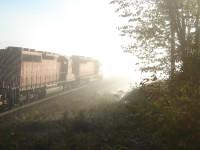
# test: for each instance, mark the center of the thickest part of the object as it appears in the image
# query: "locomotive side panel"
(98, 70)
(50, 69)
(85, 68)
(58, 71)
(31, 69)
(10, 63)
(38, 69)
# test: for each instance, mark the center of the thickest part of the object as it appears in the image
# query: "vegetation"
(164, 35)
(156, 115)
(144, 118)
(170, 124)
(90, 122)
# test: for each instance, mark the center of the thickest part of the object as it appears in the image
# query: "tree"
(149, 31)
(165, 36)
(164, 32)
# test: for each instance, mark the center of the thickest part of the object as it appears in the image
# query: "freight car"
(26, 74)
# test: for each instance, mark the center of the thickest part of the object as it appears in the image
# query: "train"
(27, 74)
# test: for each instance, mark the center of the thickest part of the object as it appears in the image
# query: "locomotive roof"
(65, 58)
(82, 58)
(28, 50)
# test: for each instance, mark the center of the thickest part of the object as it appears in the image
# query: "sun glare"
(86, 31)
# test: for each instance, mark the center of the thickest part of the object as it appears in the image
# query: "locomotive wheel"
(36, 96)
(28, 97)
(42, 94)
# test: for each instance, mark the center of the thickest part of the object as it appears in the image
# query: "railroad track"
(53, 95)
(40, 101)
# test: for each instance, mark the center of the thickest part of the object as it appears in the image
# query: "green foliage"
(148, 28)
(94, 122)
(169, 124)
(146, 118)
(163, 34)
(97, 127)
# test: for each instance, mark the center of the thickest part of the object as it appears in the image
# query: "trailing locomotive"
(26, 73)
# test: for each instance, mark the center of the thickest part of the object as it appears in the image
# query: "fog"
(74, 27)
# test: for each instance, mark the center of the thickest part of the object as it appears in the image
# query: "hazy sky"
(84, 27)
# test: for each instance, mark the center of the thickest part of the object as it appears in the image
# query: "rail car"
(26, 74)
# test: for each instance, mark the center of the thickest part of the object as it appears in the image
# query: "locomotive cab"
(66, 76)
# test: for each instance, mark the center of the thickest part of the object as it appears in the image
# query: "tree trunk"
(172, 59)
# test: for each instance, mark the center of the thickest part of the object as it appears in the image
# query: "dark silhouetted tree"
(163, 32)
(165, 36)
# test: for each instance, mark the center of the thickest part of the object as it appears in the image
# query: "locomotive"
(27, 73)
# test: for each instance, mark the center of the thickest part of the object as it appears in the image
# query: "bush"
(166, 123)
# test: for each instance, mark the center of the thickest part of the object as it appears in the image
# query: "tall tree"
(163, 32)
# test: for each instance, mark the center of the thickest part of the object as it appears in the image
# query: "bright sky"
(81, 27)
